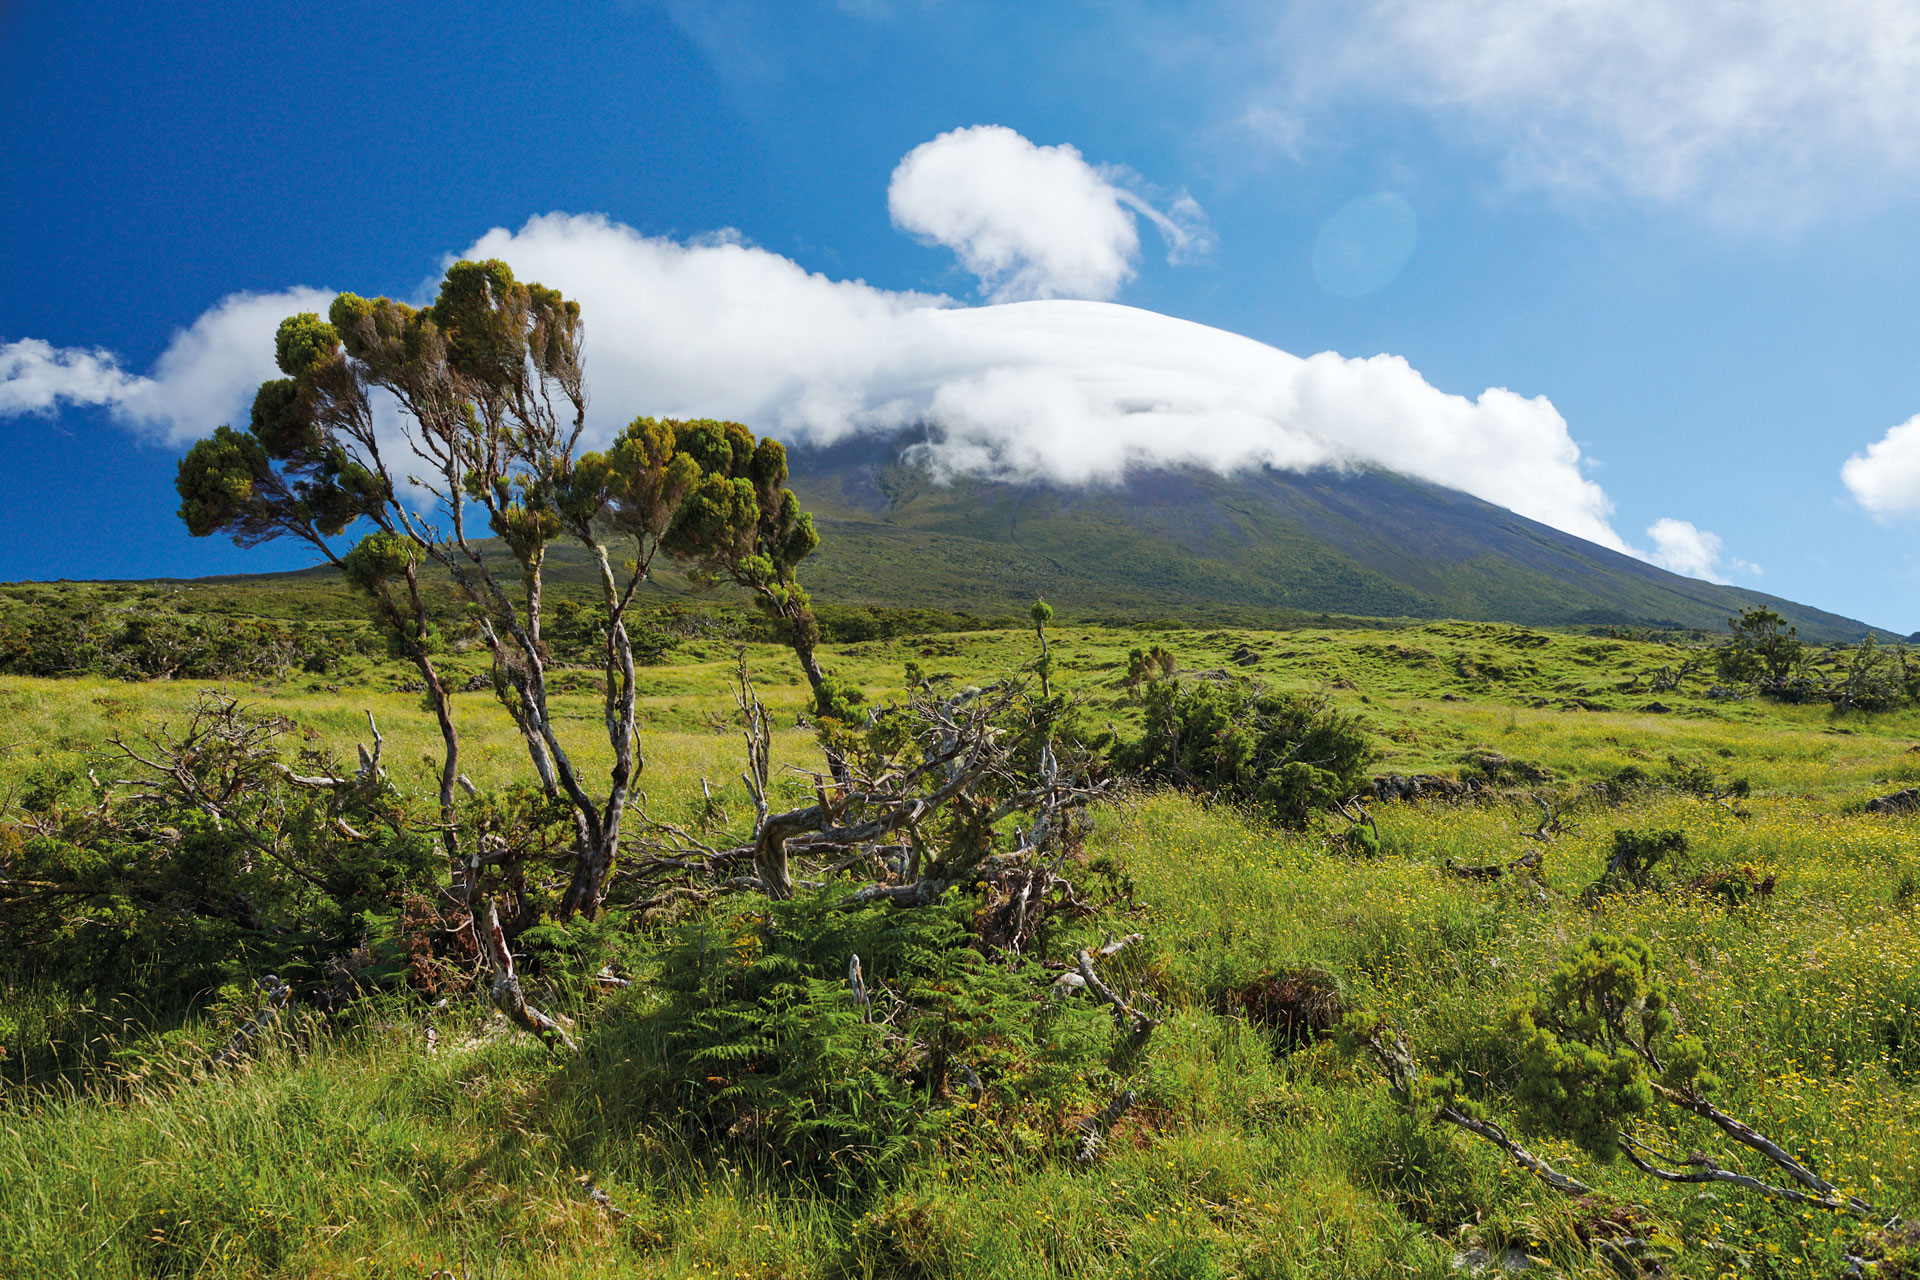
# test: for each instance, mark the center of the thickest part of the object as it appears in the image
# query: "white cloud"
(1033, 221)
(1070, 391)
(1886, 478)
(1727, 102)
(206, 376)
(1690, 552)
(37, 377)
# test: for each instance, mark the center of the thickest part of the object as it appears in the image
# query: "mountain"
(1191, 544)
(1257, 548)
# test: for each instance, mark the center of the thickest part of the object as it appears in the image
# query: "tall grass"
(353, 1151)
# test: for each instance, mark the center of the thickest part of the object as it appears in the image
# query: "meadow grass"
(351, 1151)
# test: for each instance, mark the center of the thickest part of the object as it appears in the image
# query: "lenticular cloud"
(1071, 392)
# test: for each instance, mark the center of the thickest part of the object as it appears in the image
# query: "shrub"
(1736, 886)
(1149, 664)
(1763, 646)
(1876, 680)
(1641, 859)
(1497, 770)
(164, 904)
(223, 867)
(1284, 755)
(1578, 1078)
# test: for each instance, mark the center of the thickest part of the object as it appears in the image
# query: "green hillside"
(1193, 544)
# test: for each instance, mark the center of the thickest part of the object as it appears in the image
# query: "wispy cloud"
(1752, 108)
(37, 377)
(206, 376)
(1693, 552)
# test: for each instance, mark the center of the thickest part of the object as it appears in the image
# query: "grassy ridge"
(356, 1153)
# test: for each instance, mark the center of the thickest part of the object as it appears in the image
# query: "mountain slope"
(1191, 543)
(1258, 547)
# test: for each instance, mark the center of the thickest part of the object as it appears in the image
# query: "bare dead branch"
(965, 764)
(1388, 1049)
(1124, 1013)
(1094, 1127)
(278, 995)
(1550, 824)
(506, 992)
(1825, 1193)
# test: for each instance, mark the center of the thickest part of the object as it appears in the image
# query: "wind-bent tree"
(492, 404)
(1763, 647)
(741, 524)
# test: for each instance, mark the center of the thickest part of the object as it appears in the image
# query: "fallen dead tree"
(1527, 864)
(1127, 1014)
(1601, 1032)
(949, 790)
(1093, 1129)
(1439, 1099)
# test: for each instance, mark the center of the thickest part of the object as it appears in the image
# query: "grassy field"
(352, 1151)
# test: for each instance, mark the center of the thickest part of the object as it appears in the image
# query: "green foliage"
(739, 523)
(836, 699)
(217, 480)
(73, 633)
(364, 1153)
(1763, 647)
(218, 868)
(1575, 1077)
(159, 903)
(1585, 1050)
(1641, 859)
(376, 560)
(1697, 778)
(1497, 770)
(1284, 755)
(763, 1048)
(303, 343)
(1875, 679)
(852, 624)
(1144, 665)
(1042, 613)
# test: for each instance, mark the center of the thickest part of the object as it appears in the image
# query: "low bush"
(831, 1044)
(1282, 755)
(1641, 859)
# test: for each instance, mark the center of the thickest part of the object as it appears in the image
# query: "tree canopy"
(492, 402)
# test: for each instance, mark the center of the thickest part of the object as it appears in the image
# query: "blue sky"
(1682, 237)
